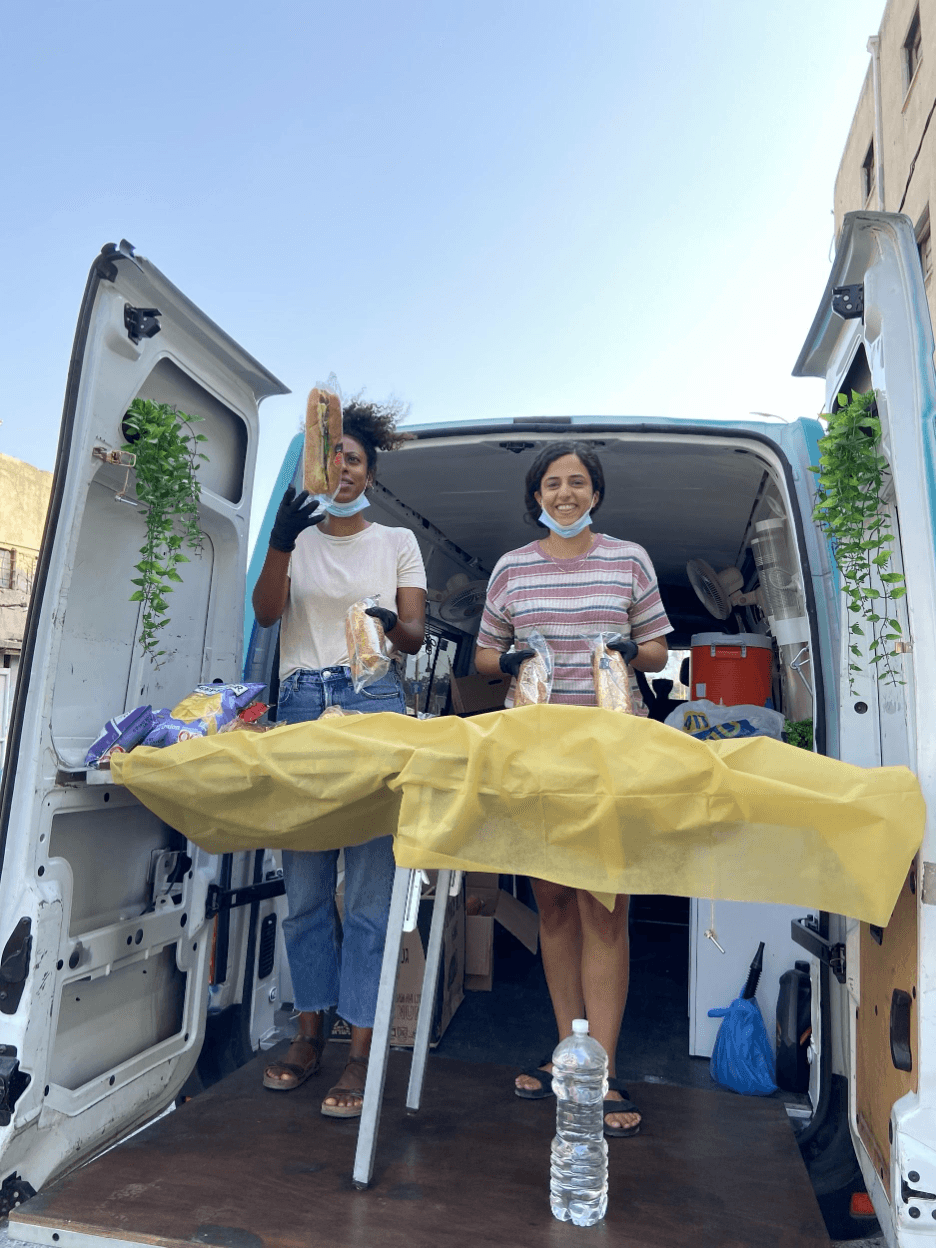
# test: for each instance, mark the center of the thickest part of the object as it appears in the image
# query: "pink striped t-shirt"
(612, 588)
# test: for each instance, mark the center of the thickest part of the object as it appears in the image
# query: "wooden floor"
(243, 1167)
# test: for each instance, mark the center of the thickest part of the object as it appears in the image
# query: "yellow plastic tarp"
(581, 796)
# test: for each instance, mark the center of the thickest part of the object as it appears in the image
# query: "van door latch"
(141, 322)
(848, 301)
(806, 933)
(167, 873)
(13, 1082)
(14, 966)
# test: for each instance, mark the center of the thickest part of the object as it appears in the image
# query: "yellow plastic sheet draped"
(578, 795)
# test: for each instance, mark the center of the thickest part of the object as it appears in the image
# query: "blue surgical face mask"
(565, 530)
(343, 509)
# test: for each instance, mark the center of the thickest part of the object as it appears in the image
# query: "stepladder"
(404, 911)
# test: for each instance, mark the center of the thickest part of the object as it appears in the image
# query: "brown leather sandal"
(303, 1060)
(347, 1111)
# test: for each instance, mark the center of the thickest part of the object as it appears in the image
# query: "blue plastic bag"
(742, 1060)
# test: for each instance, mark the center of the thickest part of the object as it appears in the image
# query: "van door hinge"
(848, 301)
(928, 891)
(14, 966)
(806, 933)
(220, 899)
(15, 1191)
(13, 1082)
(141, 322)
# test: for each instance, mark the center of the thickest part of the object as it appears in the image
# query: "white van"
(133, 962)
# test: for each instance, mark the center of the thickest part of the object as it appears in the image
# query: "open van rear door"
(106, 931)
(873, 331)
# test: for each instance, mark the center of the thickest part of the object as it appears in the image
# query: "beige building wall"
(24, 500)
(907, 129)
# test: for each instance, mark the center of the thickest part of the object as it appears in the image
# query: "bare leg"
(352, 1075)
(605, 974)
(561, 943)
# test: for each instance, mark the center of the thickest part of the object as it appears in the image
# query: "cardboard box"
(518, 919)
(473, 694)
(450, 990)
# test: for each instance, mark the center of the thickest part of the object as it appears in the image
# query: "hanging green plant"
(166, 449)
(799, 732)
(850, 479)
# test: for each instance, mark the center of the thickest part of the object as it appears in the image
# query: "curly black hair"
(548, 455)
(374, 425)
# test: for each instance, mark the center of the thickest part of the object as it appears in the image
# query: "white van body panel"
(112, 1010)
(879, 250)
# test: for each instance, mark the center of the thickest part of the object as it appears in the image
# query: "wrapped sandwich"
(534, 681)
(321, 469)
(367, 654)
(612, 678)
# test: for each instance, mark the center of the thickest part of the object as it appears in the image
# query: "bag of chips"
(367, 656)
(120, 734)
(206, 710)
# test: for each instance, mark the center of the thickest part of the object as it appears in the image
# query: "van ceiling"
(677, 499)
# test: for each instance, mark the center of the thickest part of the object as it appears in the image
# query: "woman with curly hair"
(322, 559)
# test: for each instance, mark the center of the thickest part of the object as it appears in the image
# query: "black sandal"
(626, 1106)
(296, 1072)
(537, 1073)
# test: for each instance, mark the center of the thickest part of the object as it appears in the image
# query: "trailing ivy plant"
(850, 479)
(167, 458)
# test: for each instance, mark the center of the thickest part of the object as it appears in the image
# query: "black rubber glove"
(388, 619)
(294, 515)
(510, 662)
(626, 649)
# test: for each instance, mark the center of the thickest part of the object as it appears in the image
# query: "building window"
(7, 568)
(867, 173)
(912, 49)
(924, 243)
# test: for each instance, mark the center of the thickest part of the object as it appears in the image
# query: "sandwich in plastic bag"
(612, 679)
(367, 655)
(534, 681)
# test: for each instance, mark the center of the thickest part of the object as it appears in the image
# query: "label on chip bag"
(201, 713)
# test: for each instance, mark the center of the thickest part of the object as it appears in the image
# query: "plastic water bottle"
(578, 1182)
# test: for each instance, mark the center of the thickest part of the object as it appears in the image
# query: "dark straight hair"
(540, 466)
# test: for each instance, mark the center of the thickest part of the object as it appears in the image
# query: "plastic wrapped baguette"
(367, 656)
(321, 469)
(534, 682)
(612, 679)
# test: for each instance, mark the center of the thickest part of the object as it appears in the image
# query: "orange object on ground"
(731, 668)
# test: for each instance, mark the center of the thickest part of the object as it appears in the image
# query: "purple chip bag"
(121, 734)
(204, 712)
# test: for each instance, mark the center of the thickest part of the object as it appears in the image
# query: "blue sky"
(487, 209)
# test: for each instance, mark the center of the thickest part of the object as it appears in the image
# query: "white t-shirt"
(328, 574)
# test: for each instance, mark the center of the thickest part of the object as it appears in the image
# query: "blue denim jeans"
(335, 964)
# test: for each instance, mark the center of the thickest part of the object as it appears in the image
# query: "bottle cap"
(580, 1026)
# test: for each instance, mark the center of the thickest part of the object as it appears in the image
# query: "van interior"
(713, 513)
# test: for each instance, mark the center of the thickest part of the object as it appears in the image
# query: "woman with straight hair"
(570, 582)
